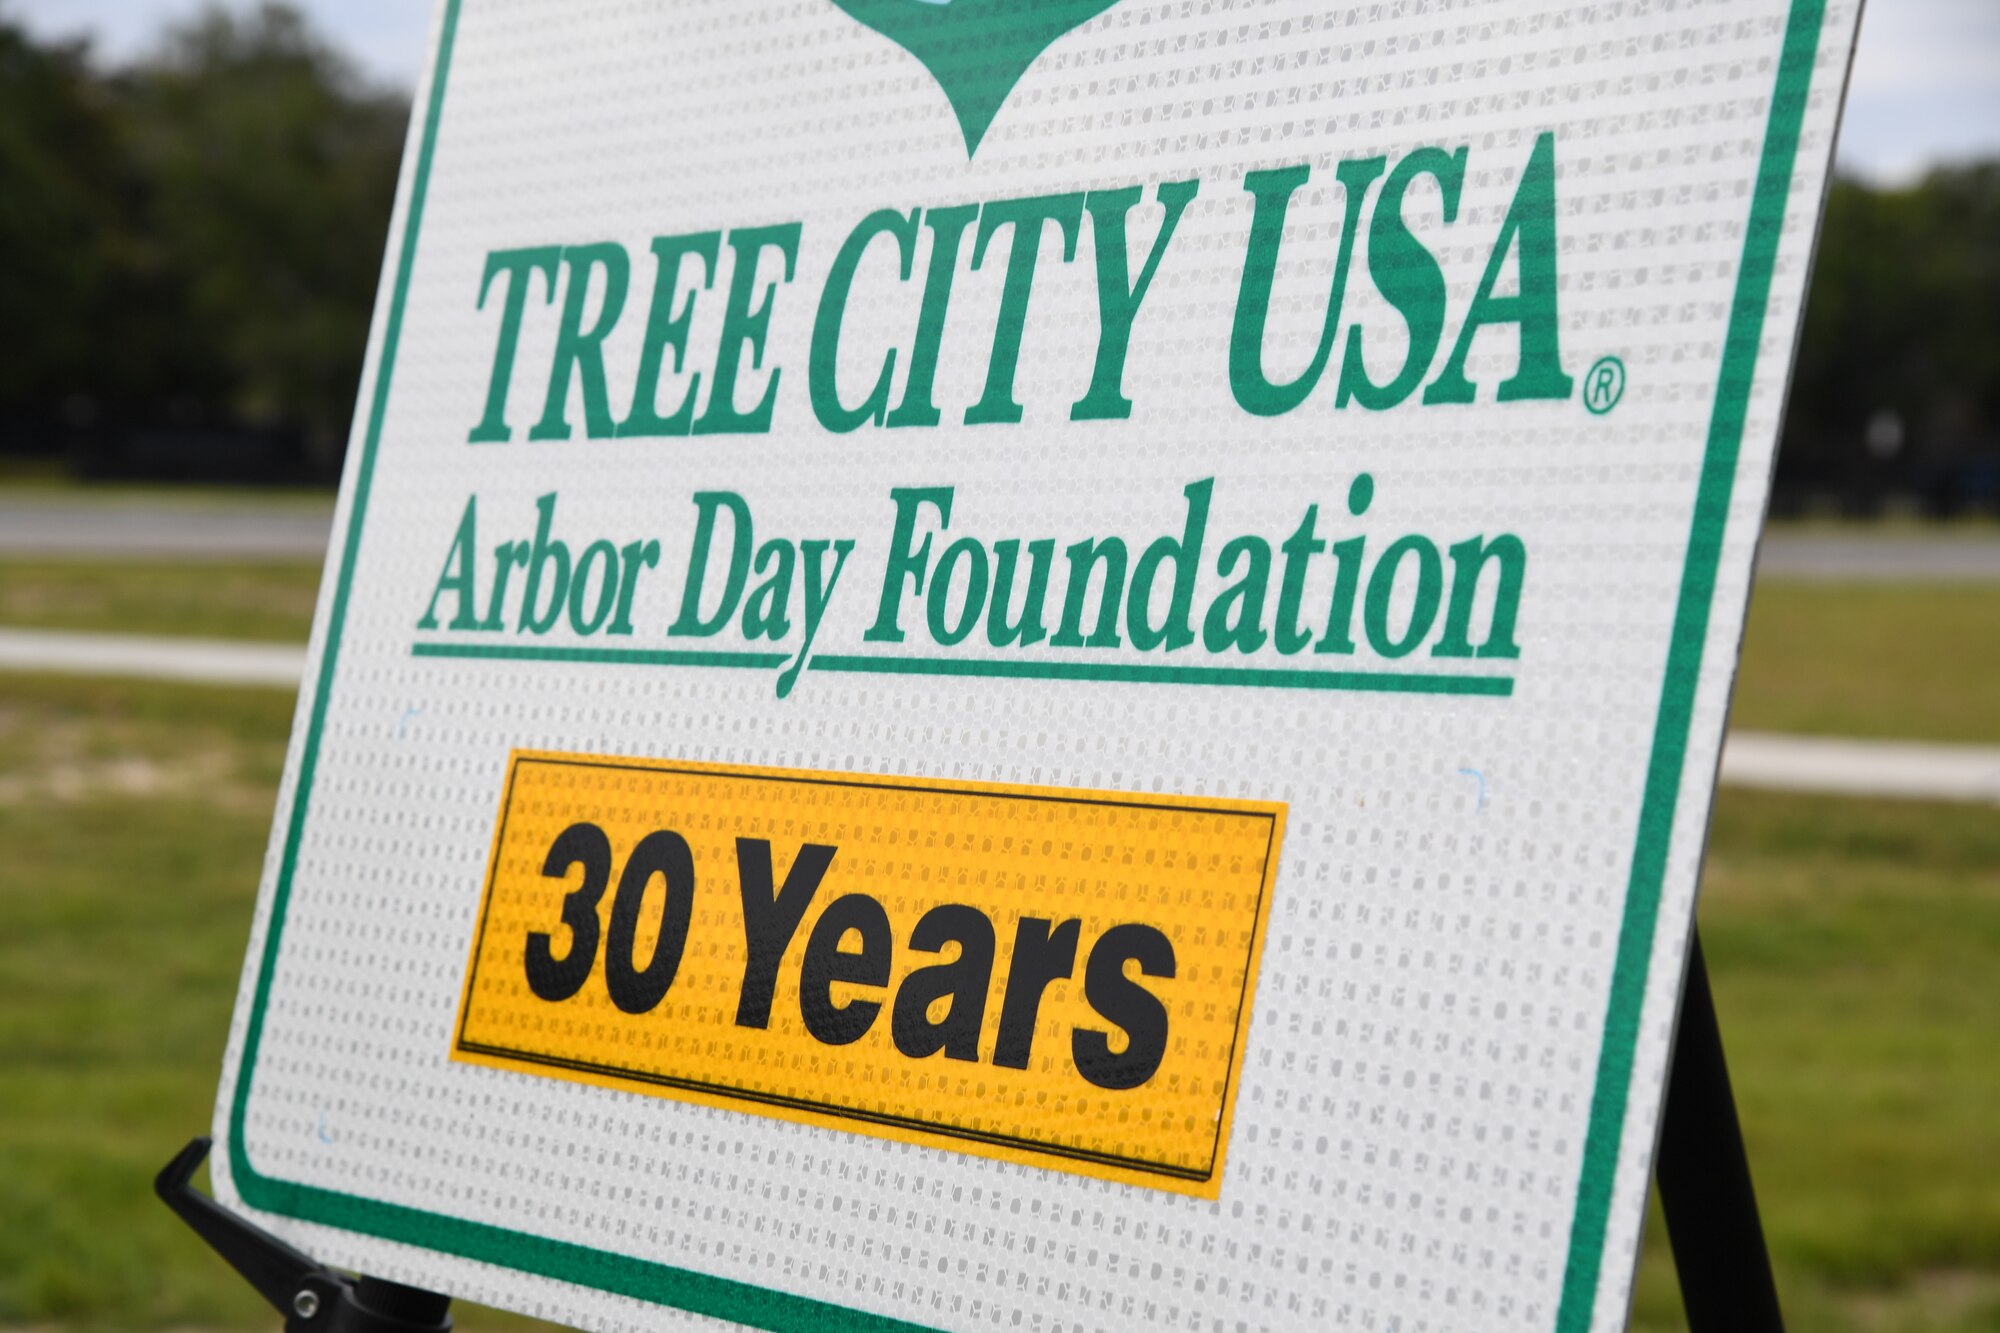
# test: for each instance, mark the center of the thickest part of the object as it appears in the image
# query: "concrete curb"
(202, 661)
(1909, 770)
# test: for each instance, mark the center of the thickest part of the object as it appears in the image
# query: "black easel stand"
(1704, 1176)
(312, 1299)
(1705, 1191)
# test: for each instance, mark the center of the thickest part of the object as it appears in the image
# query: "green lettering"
(1178, 630)
(947, 227)
(746, 321)
(822, 368)
(1084, 557)
(578, 353)
(819, 594)
(597, 553)
(460, 574)
(707, 505)
(1118, 298)
(1244, 630)
(505, 556)
(1382, 588)
(1530, 228)
(1026, 217)
(1299, 549)
(666, 329)
(1338, 636)
(906, 565)
(973, 555)
(764, 613)
(1468, 561)
(542, 555)
(1029, 628)
(635, 557)
(1273, 190)
(1408, 277)
(519, 266)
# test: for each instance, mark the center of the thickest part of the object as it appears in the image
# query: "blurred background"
(193, 206)
(207, 192)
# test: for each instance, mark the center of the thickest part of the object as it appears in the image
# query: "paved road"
(1839, 557)
(234, 529)
(1751, 759)
(223, 530)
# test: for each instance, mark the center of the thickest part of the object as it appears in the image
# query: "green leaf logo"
(977, 50)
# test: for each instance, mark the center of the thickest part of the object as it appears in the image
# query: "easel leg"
(1704, 1175)
(310, 1297)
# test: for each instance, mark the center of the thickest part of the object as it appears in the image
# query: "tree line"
(189, 249)
(1896, 394)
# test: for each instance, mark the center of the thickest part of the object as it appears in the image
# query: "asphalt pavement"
(1838, 557)
(66, 527)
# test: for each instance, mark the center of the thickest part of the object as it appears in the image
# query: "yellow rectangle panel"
(1054, 977)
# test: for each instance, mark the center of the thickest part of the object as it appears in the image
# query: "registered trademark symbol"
(1604, 385)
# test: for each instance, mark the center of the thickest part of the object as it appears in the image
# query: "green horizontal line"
(1270, 678)
(508, 652)
(1280, 678)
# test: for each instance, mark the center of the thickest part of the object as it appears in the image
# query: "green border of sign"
(764, 1308)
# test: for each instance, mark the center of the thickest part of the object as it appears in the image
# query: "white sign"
(1031, 666)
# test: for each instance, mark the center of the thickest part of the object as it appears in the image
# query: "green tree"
(1904, 319)
(268, 172)
(58, 166)
(193, 240)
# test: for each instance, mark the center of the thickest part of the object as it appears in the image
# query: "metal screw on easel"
(297, 1285)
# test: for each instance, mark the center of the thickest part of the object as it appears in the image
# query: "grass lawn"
(1852, 946)
(133, 819)
(271, 600)
(1913, 662)
(127, 904)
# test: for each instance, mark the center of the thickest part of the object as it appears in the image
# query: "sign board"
(1031, 666)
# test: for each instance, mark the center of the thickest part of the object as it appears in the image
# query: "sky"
(1926, 80)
